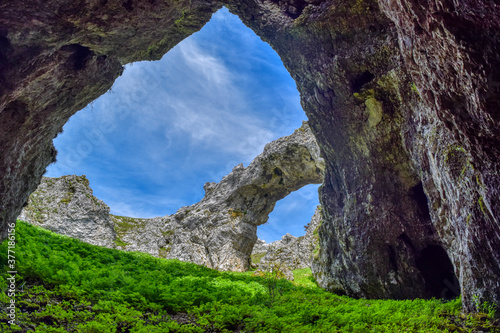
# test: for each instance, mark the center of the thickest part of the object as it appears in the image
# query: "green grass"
(304, 277)
(119, 242)
(71, 286)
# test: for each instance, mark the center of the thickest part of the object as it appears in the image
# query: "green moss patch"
(257, 257)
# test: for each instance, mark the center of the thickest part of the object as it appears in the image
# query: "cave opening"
(78, 56)
(167, 127)
(438, 272)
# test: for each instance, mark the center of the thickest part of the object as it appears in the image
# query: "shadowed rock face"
(218, 232)
(401, 95)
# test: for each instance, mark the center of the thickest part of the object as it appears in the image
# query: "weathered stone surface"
(402, 96)
(451, 51)
(144, 235)
(356, 92)
(294, 252)
(67, 206)
(219, 231)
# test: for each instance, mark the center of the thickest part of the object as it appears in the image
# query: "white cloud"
(211, 69)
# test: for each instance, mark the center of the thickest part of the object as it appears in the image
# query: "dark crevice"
(128, 5)
(392, 257)
(79, 55)
(361, 80)
(4, 47)
(278, 172)
(15, 113)
(404, 237)
(347, 244)
(437, 270)
(418, 195)
(5, 57)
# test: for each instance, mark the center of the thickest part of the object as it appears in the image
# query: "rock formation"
(67, 206)
(403, 97)
(218, 232)
(292, 252)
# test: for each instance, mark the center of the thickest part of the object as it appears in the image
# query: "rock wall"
(358, 95)
(260, 248)
(402, 97)
(218, 232)
(451, 51)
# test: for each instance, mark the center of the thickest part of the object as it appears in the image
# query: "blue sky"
(167, 127)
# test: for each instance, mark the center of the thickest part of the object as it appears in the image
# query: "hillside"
(66, 285)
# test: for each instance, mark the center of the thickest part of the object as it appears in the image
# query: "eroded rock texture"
(67, 206)
(218, 232)
(402, 96)
(233, 208)
(451, 51)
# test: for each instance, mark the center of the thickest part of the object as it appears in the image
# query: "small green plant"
(257, 257)
(168, 233)
(272, 272)
(164, 251)
(486, 307)
(272, 279)
(489, 308)
(119, 242)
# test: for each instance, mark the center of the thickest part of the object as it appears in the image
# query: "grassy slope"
(71, 286)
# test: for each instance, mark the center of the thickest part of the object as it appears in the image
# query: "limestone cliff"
(219, 231)
(260, 248)
(66, 205)
(402, 97)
